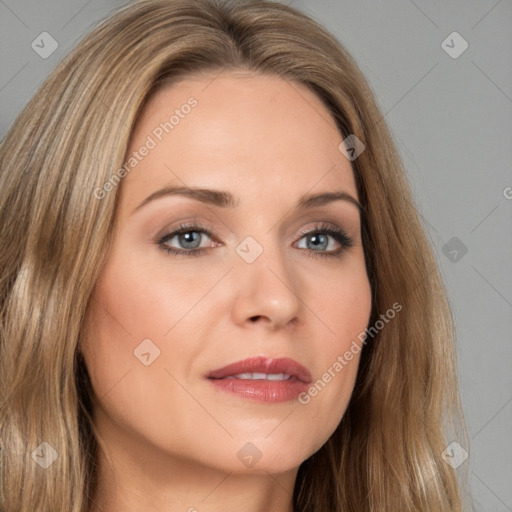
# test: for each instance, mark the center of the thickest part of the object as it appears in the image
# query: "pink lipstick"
(263, 379)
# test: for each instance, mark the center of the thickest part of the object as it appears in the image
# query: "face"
(251, 273)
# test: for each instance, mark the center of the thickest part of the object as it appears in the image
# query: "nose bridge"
(266, 285)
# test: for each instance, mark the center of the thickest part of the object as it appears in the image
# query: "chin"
(260, 455)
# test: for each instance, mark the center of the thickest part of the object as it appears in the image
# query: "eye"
(192, 240)
(322, 241)
(189, 238)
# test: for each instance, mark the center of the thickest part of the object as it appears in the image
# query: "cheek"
(136, 309)
(342, 300)
(345, 308)
(123, 312)
(133, 319)
(135, 300)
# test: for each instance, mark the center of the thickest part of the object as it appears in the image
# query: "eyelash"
(324, 229)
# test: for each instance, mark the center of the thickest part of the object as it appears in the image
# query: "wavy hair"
(386, 454)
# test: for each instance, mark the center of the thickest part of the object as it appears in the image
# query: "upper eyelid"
(186, 227)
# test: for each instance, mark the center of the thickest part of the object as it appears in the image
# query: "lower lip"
(269, 391)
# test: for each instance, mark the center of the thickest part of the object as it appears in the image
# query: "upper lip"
(261, 364)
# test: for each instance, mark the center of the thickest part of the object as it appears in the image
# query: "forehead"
(246, 132)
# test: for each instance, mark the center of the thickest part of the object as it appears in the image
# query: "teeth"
(277, 376)
(260, 376)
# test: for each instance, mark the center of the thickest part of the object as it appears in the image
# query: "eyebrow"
(224, 199)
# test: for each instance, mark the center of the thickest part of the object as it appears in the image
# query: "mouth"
(262, 379)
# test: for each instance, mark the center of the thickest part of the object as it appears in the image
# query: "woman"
(216, 293)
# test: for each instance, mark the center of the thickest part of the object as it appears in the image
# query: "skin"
(170, 438)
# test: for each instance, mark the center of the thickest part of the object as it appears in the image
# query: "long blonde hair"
(386, 454)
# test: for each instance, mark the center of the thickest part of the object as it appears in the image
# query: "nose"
(266, 292)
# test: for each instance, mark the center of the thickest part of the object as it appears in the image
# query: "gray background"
(451, 119)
